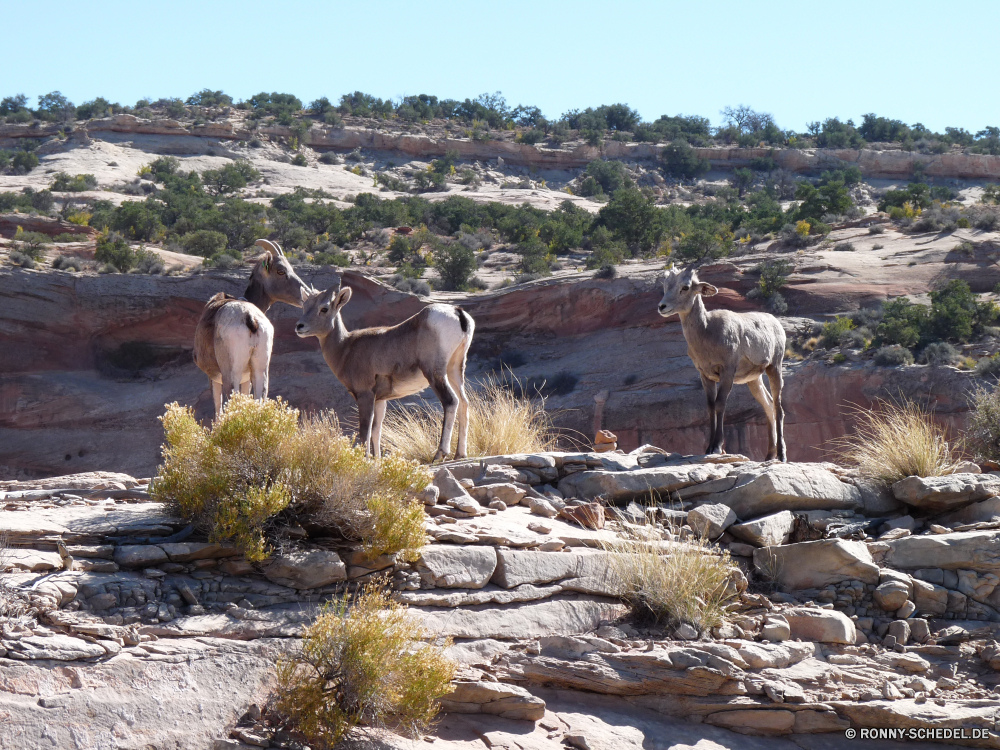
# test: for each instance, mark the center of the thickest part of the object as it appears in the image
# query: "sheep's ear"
(305, 294)
(707, 290)
(343, 297)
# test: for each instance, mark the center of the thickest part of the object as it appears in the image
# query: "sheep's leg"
(217, 397)
(260, 363)
(711, 393)
(764, 399)
(775, 379)
(725, 388)
(449, 401)
(456, 374)
(377, 428)
(245, 387)
(366, 416)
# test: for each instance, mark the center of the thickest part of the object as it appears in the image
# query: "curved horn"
(269, 245)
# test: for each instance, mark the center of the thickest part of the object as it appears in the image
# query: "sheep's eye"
(281, 272)
(685, 287)
(325, 310)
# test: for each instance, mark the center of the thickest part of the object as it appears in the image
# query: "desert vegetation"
(259, 469)
(363, 663)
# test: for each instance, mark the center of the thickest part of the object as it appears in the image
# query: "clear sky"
(918, 61)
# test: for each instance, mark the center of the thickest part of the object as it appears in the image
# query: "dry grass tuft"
(257, 469)
(984, 423)
(893, 441)
(363, 662)
(691, 583)
(500, 423)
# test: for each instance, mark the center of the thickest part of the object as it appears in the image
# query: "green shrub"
(30, 243)
(114, 250)
(531, 137)
(23, 162)
(741, 180)
(62, 182)
(610, 175)
(230, 178)
(67, 263)
(363, 662)
(411, 285)
(844, 247)
(606, 272)
(329, 158)
(680, 160)
(257, 469)
(940, 353)
(299, 160)
(225, 261)
(21, 259)
(703, 243)
(455, 264)
(876, 229)
(204, 242)
(835, 331)
(989, 367)
(893, 356)
(534, 257)
(902, 323)
(773, 276)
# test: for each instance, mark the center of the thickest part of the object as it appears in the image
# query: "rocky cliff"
(89, 360)
(874, 164)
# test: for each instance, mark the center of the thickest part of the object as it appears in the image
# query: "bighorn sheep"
(729, 347)
(232, 342)
(378, 365)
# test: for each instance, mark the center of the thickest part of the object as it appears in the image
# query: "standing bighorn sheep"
(233, 339)
(729, 347)
(378, 365)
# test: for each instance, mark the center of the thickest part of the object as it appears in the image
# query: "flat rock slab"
(626, 485)
(808, 565)
(456, 567)
(176, 702)
(939, 494)
(86, 524)
(519, 567)
(985, 511)
(966, 550)
(557, 616)
(58, 647)
(776, 487)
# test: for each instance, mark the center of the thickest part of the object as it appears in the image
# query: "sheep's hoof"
(439, 456)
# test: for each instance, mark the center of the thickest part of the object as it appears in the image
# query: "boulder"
(542, 507)
(820, 625)
(509, 494)
(517, 567)
(969, 550)
(808, 565)
(589, 516)
(32, 560)
(930, 598)
(306, 569)
(776, 629)
(891, 595)
(766, 531)
(900, 630)
(497, 698)
(448, 486)
(455, 567)
(939, 494)
(711, 520)
(774, 487)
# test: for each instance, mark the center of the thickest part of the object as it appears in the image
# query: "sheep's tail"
(251, 322)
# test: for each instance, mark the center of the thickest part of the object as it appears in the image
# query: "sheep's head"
(680, 289)
(320, 310)
(277, 276)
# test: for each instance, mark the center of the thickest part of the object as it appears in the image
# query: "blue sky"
(915, 61)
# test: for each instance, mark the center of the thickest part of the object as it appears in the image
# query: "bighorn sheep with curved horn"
(729, 347)
(233, 339)
(378, 365)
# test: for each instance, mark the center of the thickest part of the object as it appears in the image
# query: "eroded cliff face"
(88, 363)
(874, 164)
